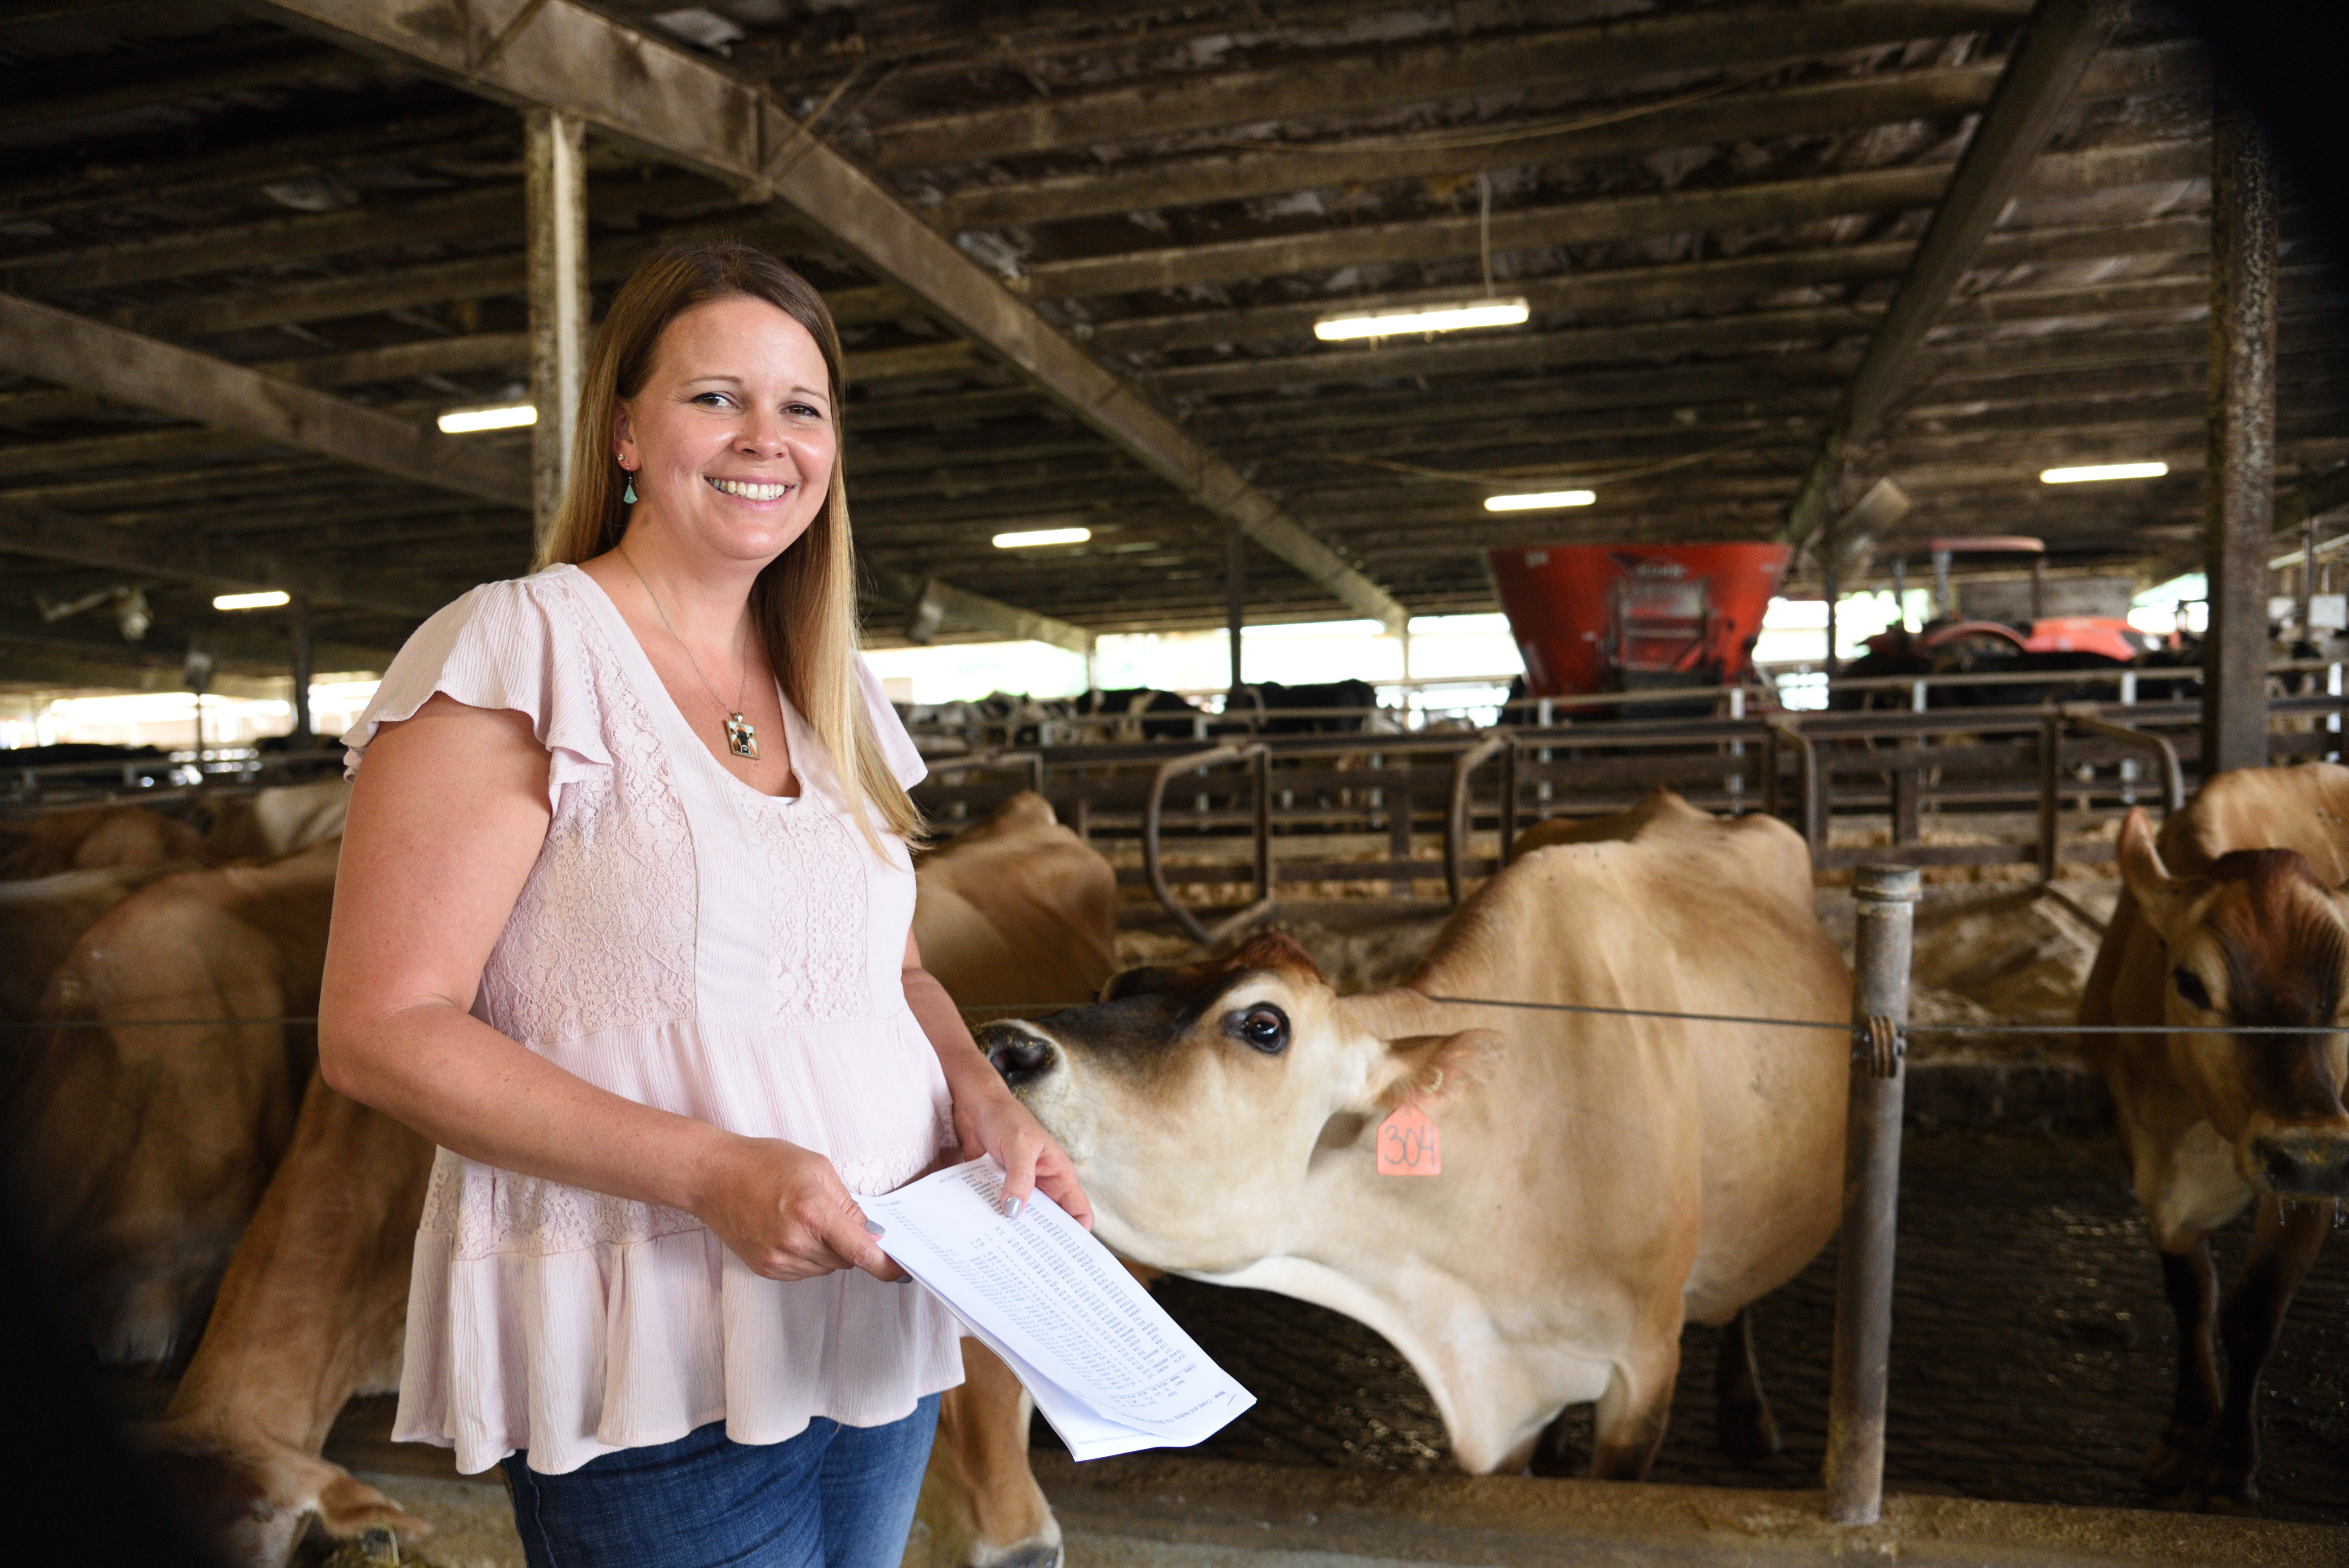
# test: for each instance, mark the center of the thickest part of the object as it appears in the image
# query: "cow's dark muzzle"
(1020, 1055)
(2303, 1164)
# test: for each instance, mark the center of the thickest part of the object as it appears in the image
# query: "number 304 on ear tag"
(1410, 1144)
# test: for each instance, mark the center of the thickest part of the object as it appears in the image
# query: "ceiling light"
(504, 417)
(1409, 319)
(1539, 502)
(2096, 472)
(267, 601)
(1036, 536)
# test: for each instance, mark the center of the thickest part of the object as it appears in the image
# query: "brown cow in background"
(2235, 916)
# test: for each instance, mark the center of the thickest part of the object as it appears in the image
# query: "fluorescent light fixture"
(1543, 500)
(268, 601)
(504, 417)
(2096, 472)
(1036, 536)
(1407, 319)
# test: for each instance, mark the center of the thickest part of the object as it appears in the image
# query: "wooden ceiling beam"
(249, 647)
(73, 351)
(77, 189)
(2044, 72)
(1590, 220)
(1806, 110)
(1358, 81)
(486, 212)
(1670, 283)
(120, 84)
(444, 282)
(218, 565)
(691, 112)
(1485, 353)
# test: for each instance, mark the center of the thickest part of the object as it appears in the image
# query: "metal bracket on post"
(1885, 899)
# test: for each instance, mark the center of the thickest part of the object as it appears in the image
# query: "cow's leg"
(312, 1309)
(2191, 1284)
(1629, 1425)
(1746, 1427)
(981, 1506)
(2284, 1245)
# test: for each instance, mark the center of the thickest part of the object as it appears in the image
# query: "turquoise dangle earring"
(629, 496)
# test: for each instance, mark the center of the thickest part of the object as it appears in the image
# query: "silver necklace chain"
(666, 626)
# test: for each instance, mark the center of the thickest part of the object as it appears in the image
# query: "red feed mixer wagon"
(1636, 618)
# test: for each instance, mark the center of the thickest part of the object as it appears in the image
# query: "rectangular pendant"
(742, 737)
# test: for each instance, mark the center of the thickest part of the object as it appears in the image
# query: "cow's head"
(1197, 1102)
(2256, 940)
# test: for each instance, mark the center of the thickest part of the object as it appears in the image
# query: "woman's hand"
(990, 1120)
(784, 1211)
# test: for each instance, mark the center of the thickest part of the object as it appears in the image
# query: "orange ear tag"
(1410, 1144)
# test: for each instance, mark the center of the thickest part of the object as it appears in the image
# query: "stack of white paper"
(1108, 1367)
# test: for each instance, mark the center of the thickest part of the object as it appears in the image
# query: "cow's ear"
(1429, 1070)
(2157, 894)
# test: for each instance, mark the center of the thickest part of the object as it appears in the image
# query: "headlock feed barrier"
(1885, 897)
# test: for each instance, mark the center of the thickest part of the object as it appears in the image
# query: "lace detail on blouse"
(485, 1211)
(816, 943)
(586, 951)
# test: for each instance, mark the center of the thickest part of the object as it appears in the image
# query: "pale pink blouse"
(694, 944)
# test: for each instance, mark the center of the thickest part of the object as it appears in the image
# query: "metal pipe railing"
(1154, 811)
(1457, 828)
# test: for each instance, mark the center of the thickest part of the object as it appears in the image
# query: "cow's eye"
(2189, 987)
(1264, 1026)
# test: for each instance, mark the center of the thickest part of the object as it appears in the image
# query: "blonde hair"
(804, 603)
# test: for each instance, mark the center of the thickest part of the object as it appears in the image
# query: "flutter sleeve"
(898, 748)
(502, 646)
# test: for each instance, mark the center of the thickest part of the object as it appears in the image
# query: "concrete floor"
(1157, 1511)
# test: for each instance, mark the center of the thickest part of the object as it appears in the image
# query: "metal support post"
(1885, 897)
(2238, 504)
(1235, 595)
(2051, 767)
(1908, 786)
(554, 197)
(1900, 592)
(304, 657)
(1829, 588)
(2038, 588)
(2307, 579)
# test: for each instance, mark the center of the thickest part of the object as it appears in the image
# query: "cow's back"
(1672, 910)
(1018, 909)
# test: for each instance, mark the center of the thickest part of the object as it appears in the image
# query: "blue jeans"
(833, 1497)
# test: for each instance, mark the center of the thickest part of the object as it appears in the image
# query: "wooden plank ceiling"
(1705, 204)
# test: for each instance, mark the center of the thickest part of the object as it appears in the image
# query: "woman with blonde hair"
(623, 924)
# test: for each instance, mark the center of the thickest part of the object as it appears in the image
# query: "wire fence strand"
(1751, 1020)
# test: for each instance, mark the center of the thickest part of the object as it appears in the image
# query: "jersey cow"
(2234, 915)
(1602, 1180)
(140, 1118)
(312, 1309)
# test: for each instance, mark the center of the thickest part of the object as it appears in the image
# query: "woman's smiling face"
(732, 436)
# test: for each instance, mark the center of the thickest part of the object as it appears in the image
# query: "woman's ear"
(624, 435)
(2156, 893)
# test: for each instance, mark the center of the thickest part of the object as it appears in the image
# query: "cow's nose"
(2312, 1164)
(1020, 1056)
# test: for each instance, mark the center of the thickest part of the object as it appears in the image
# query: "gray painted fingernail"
(1014, 1207)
